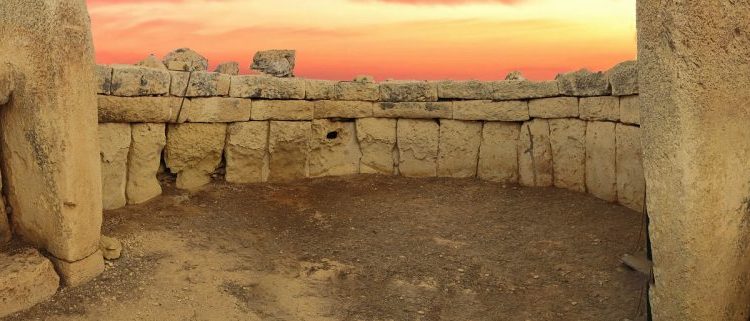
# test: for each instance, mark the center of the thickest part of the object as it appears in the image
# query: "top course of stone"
(184, 73)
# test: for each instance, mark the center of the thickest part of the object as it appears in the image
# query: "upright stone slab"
(334, 149)
(194, 152)
(53, 175)
(418, 142)
(377, 141)
(535, 154)
(246, 152)
(289, 149)
(568, 140)
(114, 139)
(631, 185)
(26, 279)
(498, 154)
(601, 177)
(144, 159)
(458, 151)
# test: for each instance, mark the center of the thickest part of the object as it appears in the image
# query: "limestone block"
(26, 278)
(289, 150)
(277, 63)
(600, 108)
(630, 110)
(144, 159)
(523, 89)
(128, 81)
(246, 152)
(138, 109)
(624, 78)
(377, 141)
(185, 59)
(568, 141)
(151, 62)
(631, 185)
(202, 84)
(512, 110)
(316, 89)
(334, 150)
(194, 151)
(103, 79)
(458, 151)
(231, 68)
(114, 141)
(80, 272)
(535, 154)
(215, 110)
(283, 110)
(556, 107)
(342, 109)
(398, 91)
(515, 75)
(498, 155)
(601, 175)
(584, 83)
(471, 89)
(418, 142)
(5, 231)
(414, 110)
(261, 86)
(356, 90)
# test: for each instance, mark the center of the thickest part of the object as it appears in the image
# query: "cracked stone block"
(246, 152)
(193, 152)
(334, 150)
(459, 148)
(568, 141)
(535, 154)
(601, 175)
(114, 141)
(418, 142)
(289, 149)
(144, 159)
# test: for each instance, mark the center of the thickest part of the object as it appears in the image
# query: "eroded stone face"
(185, 59)
(202, 84)
(246, 152)
(103, 79)
(535, 154)
(128, 81)
(458, 150)
(557, 107)
(356, 90)
(215, 110)
(277, 63)
(624, 78)
(231, 68)
(584, 83)
(334, 150)
(261, 86)
(114, 109)
(395, 91)
(515, 110)
(193, 152)
(316, 89)
(523, 89)
(601, 177)
(418, 142)
(144, 159)
(413, 110)
(568, 142)
(151, 62)
(600, 108)
(289, 149)
(471, 89)
(114, 139)
(498, 157)
(283, 110)
(26, 278)
(342, 109)
(377, 141)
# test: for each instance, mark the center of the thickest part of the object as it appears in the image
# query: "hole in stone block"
(332, 135)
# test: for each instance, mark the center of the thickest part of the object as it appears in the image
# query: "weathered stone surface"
(568, 142)
(246, 152)
(103, 79)
(498, 155)
(458, 150)
(523, 89)
(185, 59)
(114, 139)
(398, 91)
(334, 149)
(5, 231)
(630, 110)
(26, 278)
(82, 271)
(535, 166)
(557, 107)
(260, 86)
(377, 141)
(356, 90)
(138, 109)
(631, 185)
(601, 177)
(600, 108)
(194, 151)
(364, 78)
(202, 84)
(289, 150)
(215, 110)
(111, 248)
(414, 110)
(343, 109)
(151, 62)
(277, 63)
(231, 68)
(471, 89)
(584, 83)
(515, 75)
(282, 110)
(144, 159)
(128, 81)
(624, 78)
(316, 89)
(418, 142)
(513, 110)
(7, 82)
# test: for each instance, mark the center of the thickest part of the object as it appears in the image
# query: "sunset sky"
(400, 39)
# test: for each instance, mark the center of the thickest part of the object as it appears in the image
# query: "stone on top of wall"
(584, 83)
(624, 78)
(267, 87)
(316, 89)
(342, 109)
(357, 90)
(523, 89)
(515, 75)
(185, 59)
(399, 91)
(103, 79)
(231, 68)
(377, 141)
(151, 62)
(215, 110)
(470, 89)
(131, 81)
(202, 84)
(282, 110)
(413, 110)
(511, 110)
(600, 108)
(115, 109)
(193, 152)
(277, 63)
(556, 107)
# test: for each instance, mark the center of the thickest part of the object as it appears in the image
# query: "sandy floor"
(364, 248)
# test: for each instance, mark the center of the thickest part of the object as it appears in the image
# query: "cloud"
(446, 2)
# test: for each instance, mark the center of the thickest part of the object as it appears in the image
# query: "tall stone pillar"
(694, 60)
(50, 160)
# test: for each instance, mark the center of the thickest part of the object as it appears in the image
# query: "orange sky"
(401, 39)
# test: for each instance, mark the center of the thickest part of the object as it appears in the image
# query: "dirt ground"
(364, 248)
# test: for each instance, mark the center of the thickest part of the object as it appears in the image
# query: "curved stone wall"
(580, 131)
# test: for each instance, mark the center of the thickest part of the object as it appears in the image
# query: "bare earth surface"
(363, 248)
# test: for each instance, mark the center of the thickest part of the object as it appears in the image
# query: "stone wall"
(579, 132)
